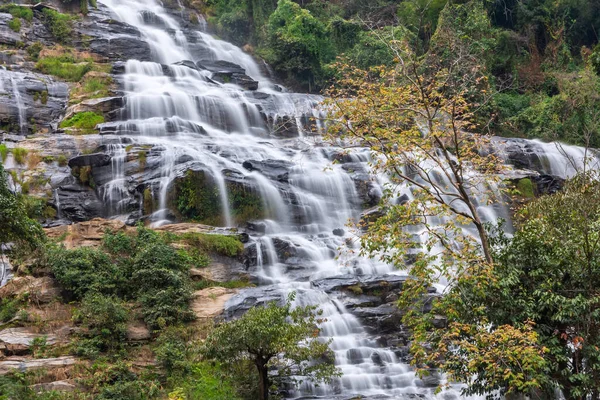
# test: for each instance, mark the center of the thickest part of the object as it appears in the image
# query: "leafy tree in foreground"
(281, 337)
(539, 299)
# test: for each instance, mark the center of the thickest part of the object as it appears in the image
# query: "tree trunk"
(263, 378)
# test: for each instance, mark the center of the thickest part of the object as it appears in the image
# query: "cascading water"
(183, 119)
(22, 111)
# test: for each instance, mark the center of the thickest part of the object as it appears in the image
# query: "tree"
(279, 337)
(15, 225)
(541, 296)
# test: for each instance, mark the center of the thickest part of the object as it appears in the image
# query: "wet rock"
(376, 358)
(278, 170)
(239, 304)
(227, 72)
(31, 99)
(383, 319)
(257, 226)
(187, 63)
(339, 232)
(90, 160)
(105, 105)
(151, 18)
(365, 283)
(547, 184)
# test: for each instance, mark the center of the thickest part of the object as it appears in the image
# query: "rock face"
(210, 303)
(15, 341)
(47, 364)
(30, 100)
(227, 72)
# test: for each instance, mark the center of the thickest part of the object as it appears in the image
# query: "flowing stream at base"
(188, 121)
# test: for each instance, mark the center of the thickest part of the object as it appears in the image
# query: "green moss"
(525, 188)
(65, 67)
(85, 121)
(225, 245)
(15, 24)
(148, 201)
(44, 97)
(245, 203)
(142, 158)
(196, 198)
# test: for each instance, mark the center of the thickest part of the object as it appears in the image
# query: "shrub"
(105, 321)
(60, 25)
(166, 307)
(207, 381)
(25, 13)
(116, 381)
(8, 309)
(34, 50)
(84, 270)
(15, 24)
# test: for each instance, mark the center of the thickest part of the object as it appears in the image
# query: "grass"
(93, 87)
(33, 160)
(85, 121)
(3, 152)
(19, 154)
(229, 246)
(65, 67)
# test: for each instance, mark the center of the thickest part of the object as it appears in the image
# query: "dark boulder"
(90, 160)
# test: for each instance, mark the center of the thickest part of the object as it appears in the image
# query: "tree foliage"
(15, 225)
(280, 337)
(528, 323)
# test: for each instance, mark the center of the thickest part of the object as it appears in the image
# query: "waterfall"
(22, 111)
(188, 120)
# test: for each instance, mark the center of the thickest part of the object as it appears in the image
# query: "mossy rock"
(526, 188)
(196, 197)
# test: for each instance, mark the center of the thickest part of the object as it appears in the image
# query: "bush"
(25, 13)
(84, 270)
(34, 50)
(297, 42)
(60, 25)
(207, 381)
(85, 121)
(8, 309)
(118, 382)
(104, 320)
(167, 307)
(15, 24)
